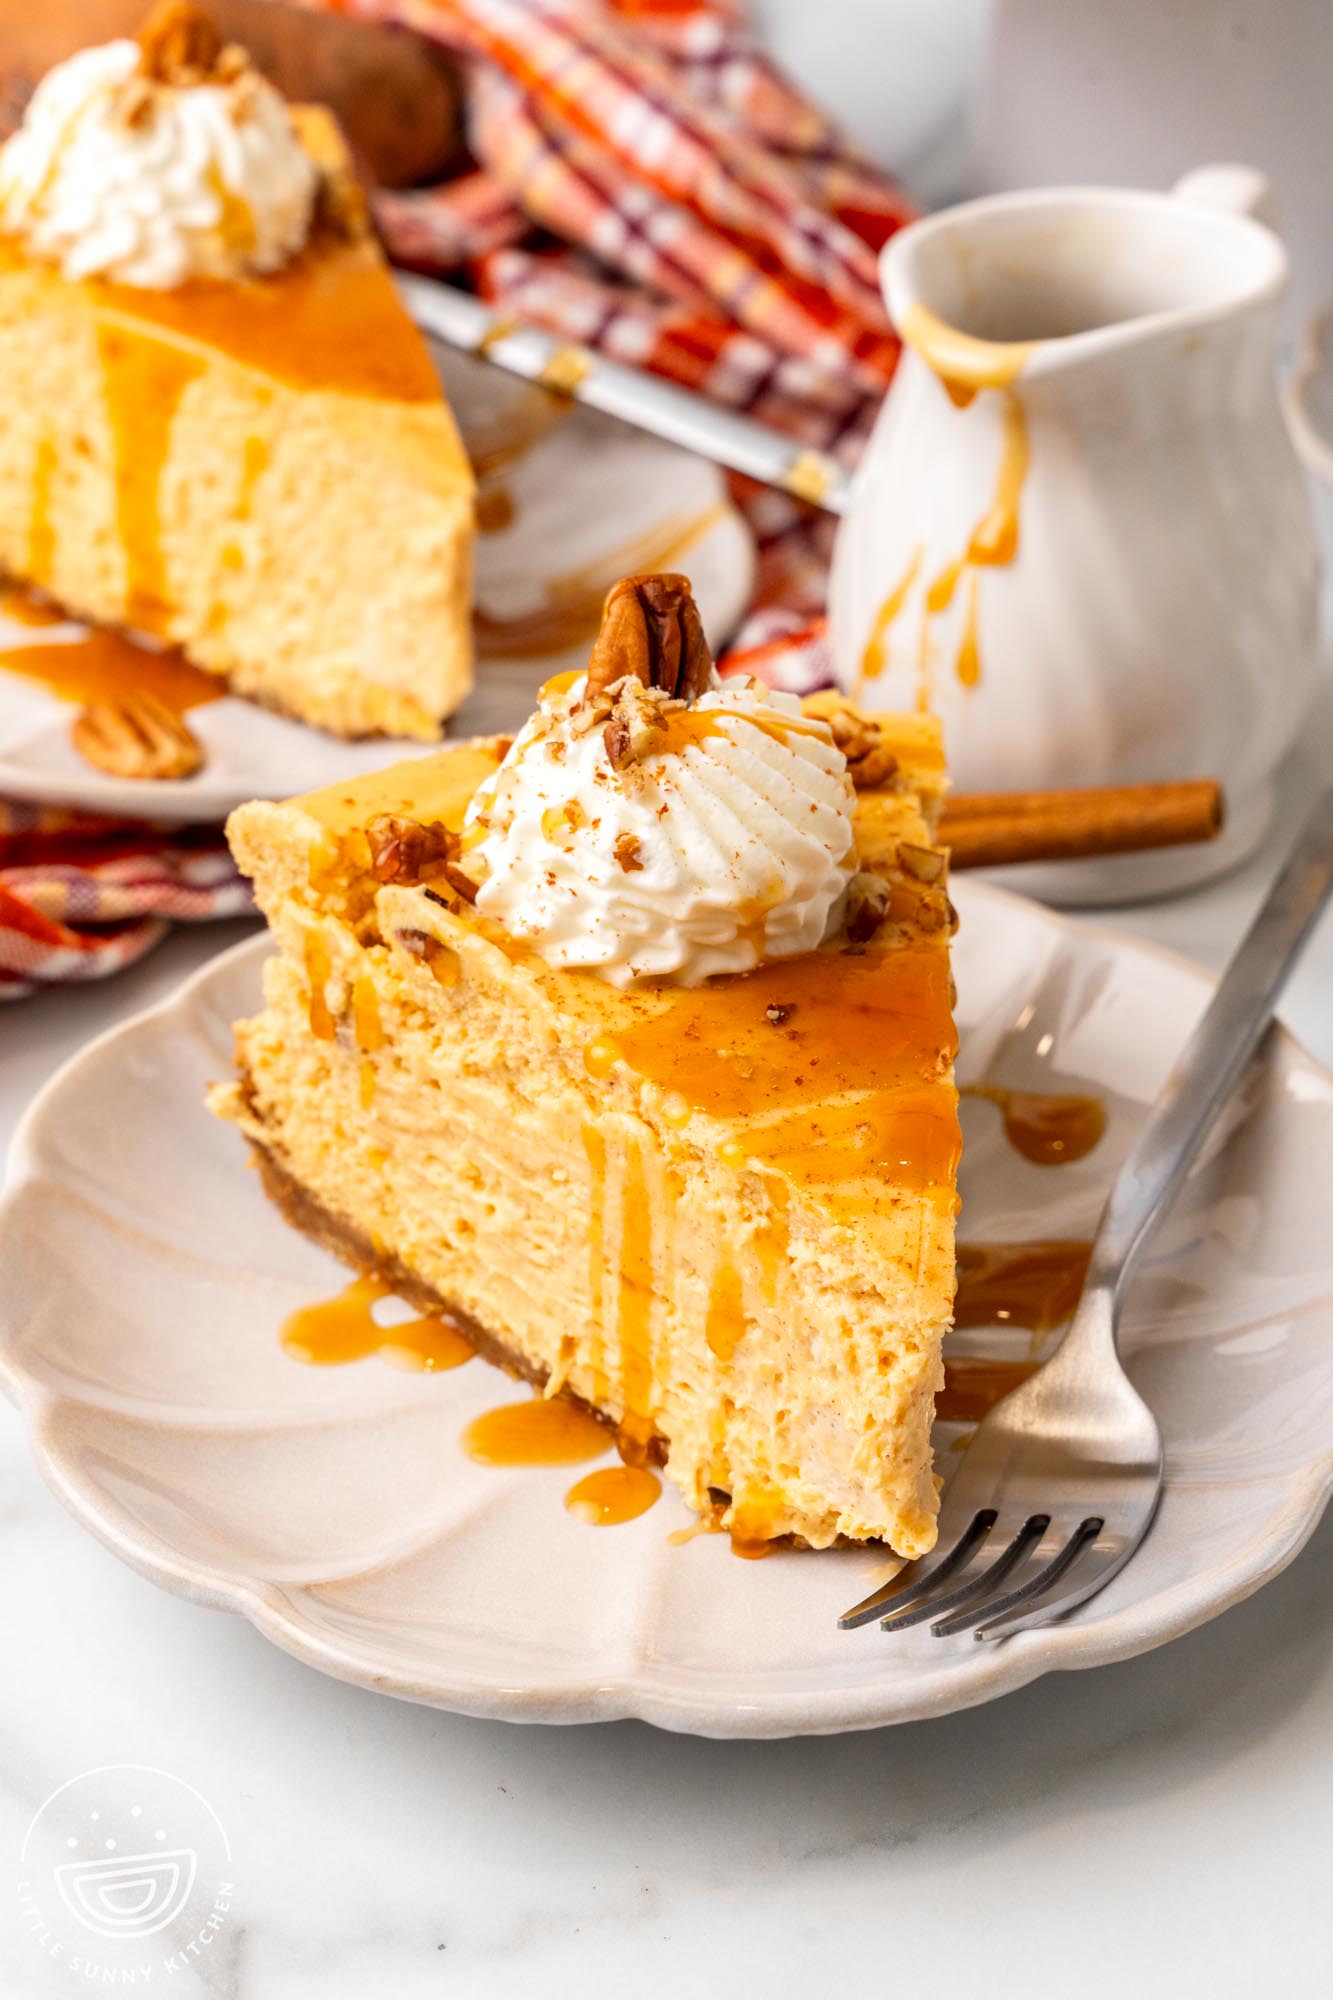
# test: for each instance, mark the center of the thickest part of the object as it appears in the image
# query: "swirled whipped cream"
(119, 173)
(645, 837)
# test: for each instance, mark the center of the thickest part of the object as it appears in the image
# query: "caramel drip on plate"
(634, 1310)
(1032, 1285)
(144, 382)
(974, 1384)
(95, 665)
(543, 1431)
(572, 612)
(1048, 1128)
(724, 1327)
(613, 1495)
(495, 510)
(344, 1329)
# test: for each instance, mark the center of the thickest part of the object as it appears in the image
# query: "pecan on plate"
(136, 737)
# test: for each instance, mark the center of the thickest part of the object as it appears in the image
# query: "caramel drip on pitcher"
(964, 365)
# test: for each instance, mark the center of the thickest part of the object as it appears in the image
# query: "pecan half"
(180, 44)
(651, 630)
(136, 737)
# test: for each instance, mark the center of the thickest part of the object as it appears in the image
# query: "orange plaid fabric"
(647, 183)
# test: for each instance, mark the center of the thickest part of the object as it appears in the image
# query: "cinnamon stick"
(992, 829)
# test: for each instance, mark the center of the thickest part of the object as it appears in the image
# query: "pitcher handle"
(1238, 189)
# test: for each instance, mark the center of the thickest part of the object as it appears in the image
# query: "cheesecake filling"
(155, 161)
(664, 825)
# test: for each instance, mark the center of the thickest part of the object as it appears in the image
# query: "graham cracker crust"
(304, 1211)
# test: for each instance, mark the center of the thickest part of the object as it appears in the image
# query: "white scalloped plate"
(589, 496)
(146, 1278)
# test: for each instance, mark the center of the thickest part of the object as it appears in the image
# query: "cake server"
(457, 319)
(1060, 1484)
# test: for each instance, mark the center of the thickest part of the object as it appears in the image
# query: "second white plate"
(590, 499)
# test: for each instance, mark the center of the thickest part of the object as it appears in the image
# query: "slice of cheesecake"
(722, 1215)
(261, 471)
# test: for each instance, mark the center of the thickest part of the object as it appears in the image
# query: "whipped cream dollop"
(115, 173)
(708, 836)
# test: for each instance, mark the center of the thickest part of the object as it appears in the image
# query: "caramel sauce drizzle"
(543, 1431)
(842, 1087)
(41, 527)
(318, 966)
(98, 665)
(1051, 1129)
(634, 1311)
(974, 1384)
(724, 1326)
(144, 382)
(613, 1495)
(964, 365)
(875, 658)
(1032, 1285)
(344, 1329)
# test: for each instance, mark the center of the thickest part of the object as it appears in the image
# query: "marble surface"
(1165, 1821)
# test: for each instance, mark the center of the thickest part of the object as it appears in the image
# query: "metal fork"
(1061, 1482)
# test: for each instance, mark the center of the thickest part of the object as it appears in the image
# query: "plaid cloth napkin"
(646, 183)
(81, 895)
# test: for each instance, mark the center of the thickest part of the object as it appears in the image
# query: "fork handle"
(1211, 1065)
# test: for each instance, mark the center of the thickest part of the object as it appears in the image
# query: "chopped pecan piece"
(867, 906)
(628, 852)
(923, 864)
(634, 728)
(410, 851)
(136, 737)
(651, 630)
(179, 44)
(870, 762)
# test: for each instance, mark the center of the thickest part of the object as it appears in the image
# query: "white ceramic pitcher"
(1080, 533)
